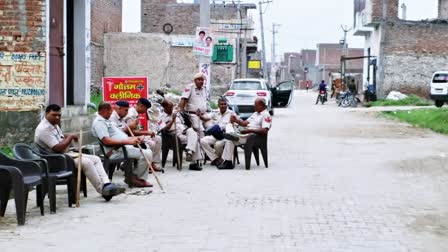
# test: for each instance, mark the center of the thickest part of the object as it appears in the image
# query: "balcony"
(362, 24)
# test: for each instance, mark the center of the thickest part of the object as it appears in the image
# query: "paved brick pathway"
(338, 180)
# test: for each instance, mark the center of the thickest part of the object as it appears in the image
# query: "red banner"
(126, 89)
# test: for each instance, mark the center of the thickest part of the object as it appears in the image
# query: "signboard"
(203, 43)
(182, 41)
(205, 70)
(230, 25)
(22, 80)
(254, 64)
(127, 89)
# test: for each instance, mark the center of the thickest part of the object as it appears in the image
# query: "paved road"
(338, 180)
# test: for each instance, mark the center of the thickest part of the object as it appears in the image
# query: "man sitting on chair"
(258, 123)
(49, 138)
(149, 137)
(218, 122)
(187, 135)
(113, 138)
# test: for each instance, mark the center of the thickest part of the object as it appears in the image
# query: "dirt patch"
(436, 224)
(433, 165)
(390, 131)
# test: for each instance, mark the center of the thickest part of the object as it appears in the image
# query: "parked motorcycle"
(346, 99)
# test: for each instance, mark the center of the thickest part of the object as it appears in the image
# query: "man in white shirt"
(258, 123)
(213, 144)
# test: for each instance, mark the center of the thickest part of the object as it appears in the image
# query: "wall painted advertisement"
(22, 80)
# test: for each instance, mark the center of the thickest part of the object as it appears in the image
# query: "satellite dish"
(167, 28)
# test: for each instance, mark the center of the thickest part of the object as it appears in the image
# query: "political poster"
(203, 43)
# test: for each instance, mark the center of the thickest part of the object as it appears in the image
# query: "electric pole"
(345, 30)
(204, 62)
(263, 53)
(273, 61)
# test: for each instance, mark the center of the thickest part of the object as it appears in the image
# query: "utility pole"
(204, 62)
(273, 62)
(344, 53)
(263, 54)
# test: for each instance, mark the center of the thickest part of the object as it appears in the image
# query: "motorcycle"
(346, 99)
(322, 97)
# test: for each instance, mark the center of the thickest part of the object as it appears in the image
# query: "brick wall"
(377, 9)
(106, 16)
(330, 56)
(183, 17)
(22, 26)
(413, 51)
(443, 9)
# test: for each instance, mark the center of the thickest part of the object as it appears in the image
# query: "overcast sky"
(304, 23)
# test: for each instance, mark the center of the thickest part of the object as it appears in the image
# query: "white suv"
(243, 93)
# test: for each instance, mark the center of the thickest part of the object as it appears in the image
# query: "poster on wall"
(205, 70)
(22, 80)
(128, 89)
(203, 43)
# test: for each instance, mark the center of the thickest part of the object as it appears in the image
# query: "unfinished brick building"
(404, 53)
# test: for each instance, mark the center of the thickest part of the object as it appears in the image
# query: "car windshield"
(246, 85)
(440, 78)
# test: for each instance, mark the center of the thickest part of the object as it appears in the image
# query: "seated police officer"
(50, 138)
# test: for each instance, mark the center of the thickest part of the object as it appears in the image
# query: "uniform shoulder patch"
(268, 119)
(186, 90)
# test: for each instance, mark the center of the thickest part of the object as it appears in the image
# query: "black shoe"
(195, 167)
(110, 190)
(227, 165)
(231, 136)
(217, 161)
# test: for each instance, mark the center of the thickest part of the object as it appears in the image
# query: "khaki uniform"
(208, 141)
(48, 135)
(196, 100)
(117, 121)
(155, 144)
(186, 135)
(104, 128)
(256, 121)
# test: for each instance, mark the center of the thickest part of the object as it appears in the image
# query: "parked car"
(243, 92)
(282, 93)
(439, 88)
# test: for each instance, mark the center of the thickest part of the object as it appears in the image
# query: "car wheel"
(439, 104)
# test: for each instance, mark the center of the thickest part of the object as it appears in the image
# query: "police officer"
(113, 138)
(49, 138)
(258, 123)
(194, 102)
(150, 138)
(219, 121)
(186, 135)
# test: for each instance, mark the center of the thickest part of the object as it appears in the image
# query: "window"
(246, 85)
(440, 78)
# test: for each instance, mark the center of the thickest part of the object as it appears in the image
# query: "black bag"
(186, 119)
(216, 132)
